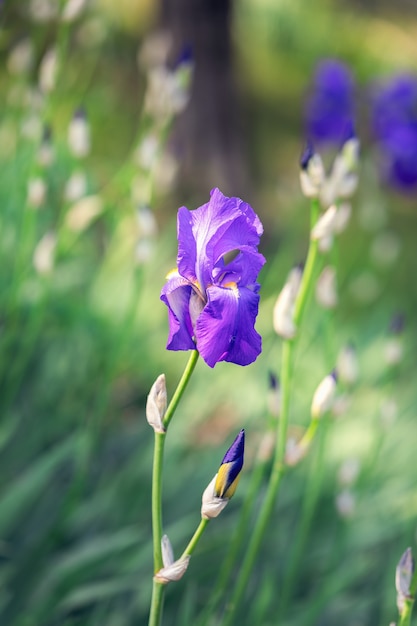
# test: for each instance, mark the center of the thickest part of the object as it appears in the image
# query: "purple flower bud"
(329, 108)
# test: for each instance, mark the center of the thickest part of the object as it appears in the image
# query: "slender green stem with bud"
(405, 617)
(158, 588)
(278, 467)
(195, 538)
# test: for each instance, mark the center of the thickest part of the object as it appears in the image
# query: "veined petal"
(225, 329)
(243, 269)
(176, 294)
(209, 232)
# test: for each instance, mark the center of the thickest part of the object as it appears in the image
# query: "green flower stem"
(405, 617)
(278, 467)
(181, 387)
(195, 538)
(312, 490)
(155, 616)
(159, 444)
(235, 545)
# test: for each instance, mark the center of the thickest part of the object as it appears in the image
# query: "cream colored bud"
(156, 404)
(172, 570)
(345, 503)
(212, 505)
(43, 10)
(324, 396)
(325, 225)
(79, 136)
(44, 254)
(326, 288)
(36, 194)
(81, 214)
(295, 452)
(76, 186)
(144, 251)
(146, 222)
(403, 575)
(147, 151)
(349, 472)
(312, 176)
(347, 365)
(325, 244)
(48, 71)
(72, 10)
(20, 59)
(393, 351)
(344, 211)
(284, 306)
(167, 551)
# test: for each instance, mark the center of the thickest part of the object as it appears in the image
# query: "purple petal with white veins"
(176, 294)
(225, 329)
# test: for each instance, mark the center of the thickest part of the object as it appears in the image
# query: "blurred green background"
(82, 342)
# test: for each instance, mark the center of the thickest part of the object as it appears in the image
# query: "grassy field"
(83, 333)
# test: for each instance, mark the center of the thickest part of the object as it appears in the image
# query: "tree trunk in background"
(209, 138)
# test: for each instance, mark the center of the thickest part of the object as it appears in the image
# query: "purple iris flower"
(394, 123)
(212, 296)
(329, 109)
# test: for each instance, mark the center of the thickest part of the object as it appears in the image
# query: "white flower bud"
(48, 71)
(344, 211)
(146, 221)
(403, 575)
(345, 503)
(324, 396)
(347, 365)
(343, 179)
(212, 505)
(156, 404)
(172, 570)
(393, 351)
(36, 193)
(76, 186)
(284, 306)
(348, 472)
(295, 451)
(20, 59)
(79, 135)
(44, 254)
(72, 10)
(325, 225)
(82, 213)
(147, 151)
(312, 175)
(326, 288)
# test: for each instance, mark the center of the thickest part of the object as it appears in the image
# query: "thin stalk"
(195, 538)
(278, 467)
(159, 444)
(236, 543)
(314, 482)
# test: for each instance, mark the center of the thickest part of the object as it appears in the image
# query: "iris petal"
(211, 298)
(225, 329)
(176, 294)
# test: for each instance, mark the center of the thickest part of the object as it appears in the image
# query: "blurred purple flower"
(329, 109)
(394, 123)
(212, 296)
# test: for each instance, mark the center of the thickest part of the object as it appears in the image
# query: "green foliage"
(82, 342)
